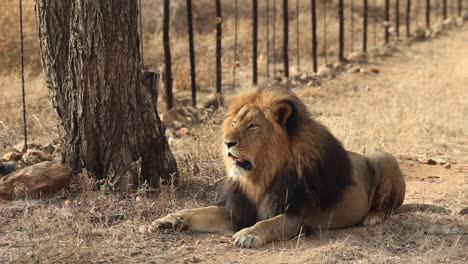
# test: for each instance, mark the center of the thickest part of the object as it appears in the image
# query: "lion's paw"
(373, 219)
(245, 239)
(174, 221)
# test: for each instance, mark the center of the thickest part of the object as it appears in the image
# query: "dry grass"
(416, 106)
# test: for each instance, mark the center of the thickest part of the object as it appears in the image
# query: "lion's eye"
(253, 126)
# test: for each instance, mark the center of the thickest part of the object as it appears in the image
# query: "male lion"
(287, 171)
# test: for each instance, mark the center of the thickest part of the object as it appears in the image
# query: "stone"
(419, 34)
(183, 132)
(177, 124)
(169, 117)
(12, 156)
(20, 147)
(375, 70)
(326, 71)
(354, 69)
(42, 178)
(39, 155)
(356, 57)
(214, 101)
(49, 148)
(8, 167)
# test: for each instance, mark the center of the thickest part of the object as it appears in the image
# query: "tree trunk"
(105, 105)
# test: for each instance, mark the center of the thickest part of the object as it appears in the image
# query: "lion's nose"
(230, 144)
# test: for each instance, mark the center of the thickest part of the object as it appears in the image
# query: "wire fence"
(389, 22)
(379, 25)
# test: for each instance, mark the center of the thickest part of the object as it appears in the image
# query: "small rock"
(12, 156)
(431, 161)
(375, 70)
(464, 211)
(356, 57)
(326, 71)
(43, 178)
(67, 203)
(36, 155)
(20, 147)
(362, 71)
(448, 23)
(338, 65)
(58, 149)
(448, 166)
(214, 101)
(177, 124)
(49, 148)
(9, 167)
(196, 260)
(183, 132)
(354, 69)
(419, 34)
(143, 229)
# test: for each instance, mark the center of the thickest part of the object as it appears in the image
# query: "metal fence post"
(192, 53)
(219, 20)
(254, 41)
(408, 18)
(364, 27)
(314, 34)
(285, 38)
(341, 31)
(428, 14)
(397, 18)
(387, 21)
(167, 55)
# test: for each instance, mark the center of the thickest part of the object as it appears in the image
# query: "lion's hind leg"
(390, 191)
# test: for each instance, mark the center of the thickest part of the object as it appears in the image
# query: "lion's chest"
(285, 195)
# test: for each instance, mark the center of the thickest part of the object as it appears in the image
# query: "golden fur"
(285, 170)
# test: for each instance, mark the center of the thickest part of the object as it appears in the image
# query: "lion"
(286, 172)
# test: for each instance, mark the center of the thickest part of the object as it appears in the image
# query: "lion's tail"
(415, 207)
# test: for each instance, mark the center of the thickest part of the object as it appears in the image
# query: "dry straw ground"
(416, 107)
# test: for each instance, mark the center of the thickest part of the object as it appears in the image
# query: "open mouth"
(244, 164)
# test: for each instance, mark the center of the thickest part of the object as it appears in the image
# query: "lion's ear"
(283, 112)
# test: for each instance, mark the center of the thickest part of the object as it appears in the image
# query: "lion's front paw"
(174, 221)
(247, 239)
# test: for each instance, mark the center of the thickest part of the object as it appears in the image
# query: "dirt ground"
(415, 107)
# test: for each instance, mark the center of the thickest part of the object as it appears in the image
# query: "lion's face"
(245, 133)
(254, 136)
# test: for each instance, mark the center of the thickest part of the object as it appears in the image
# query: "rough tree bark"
(105, 104)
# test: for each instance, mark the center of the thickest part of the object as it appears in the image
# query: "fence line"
(454, 7)
(285, 38)
(341, 30)
(298, 60)
(235, 45)
(219, 36)
(364, 31)
(314, 34)
(254, 42)
(193, 79)
(167, 55)
(397, 18)
(408, 18)
(25, 130)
